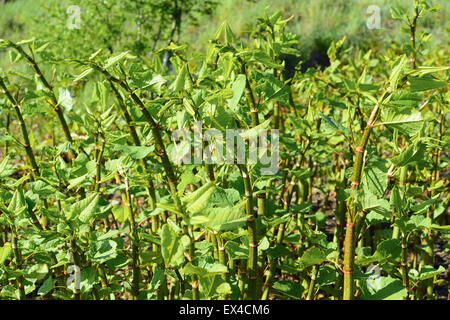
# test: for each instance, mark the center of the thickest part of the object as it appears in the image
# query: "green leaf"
(375, 178)
(229, 36)
(330, 125)
(278, 251)
(180, 81)
(413, 153)
(37, 272)
(423, 70)
(209, 269)
(415, 222)
(406, 120)
(225, 197)
(223, 219)
(397, 69)
(3, 165)
(157, 279)
(208, 285)
(120, 214)
(368, 201)
(44, 189)
(190, 269)
(225, 28)
(423, 84)
(102, 251)
(5, 252)
(83, 74)
(18, 202)
(387, 249)
(428, 272)
(263, 58)
(86, 209)
(89, 278)
(135, 152)
(113, 60)
(397, 200)
(383, 288)
(171, 249)
(169, 207)
(47, 286)
(311, 257)
(236, 251)
(238, 90)
(399, 14)
(289, 289)
(224, 289)
(199, 199)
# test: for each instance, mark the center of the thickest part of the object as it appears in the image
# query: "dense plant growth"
(95, 204)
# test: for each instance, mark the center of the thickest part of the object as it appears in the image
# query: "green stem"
(18, 256)
(252, 265)
(134, 242)
(52, 101)
(250, 97)
(312, 283)
(159, 145)
(23, 128)
(355, 221)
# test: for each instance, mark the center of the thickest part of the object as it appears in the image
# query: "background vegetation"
(91, 194)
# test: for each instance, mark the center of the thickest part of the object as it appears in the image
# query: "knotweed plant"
(230, 175)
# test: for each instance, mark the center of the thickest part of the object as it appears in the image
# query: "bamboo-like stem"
(250, 96)
(23, 128)
(252, 265)
(404, 263)
(77, 260)
(312, 283)
(8, 122)
(98, 163)
(278, 240)
(18, 256)
(136, 141)
(28, 149)
(242, 277)
(355, 221)
(102, 274)
(413, 27)
(52, 101)
(262, 204)
(134, 240)
(213, 237)
(430, 258)
(159, 145)
(223, 260)
(262, 212)
(161, 152)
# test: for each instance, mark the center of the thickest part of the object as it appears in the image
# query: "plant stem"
(312, 282)
(159, 145)
(355, 222)
(52, 98)
(134, 241)
(23, 128)
(250, 97)
(252, 265)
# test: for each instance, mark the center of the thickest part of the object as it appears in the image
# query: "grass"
(317, 22)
